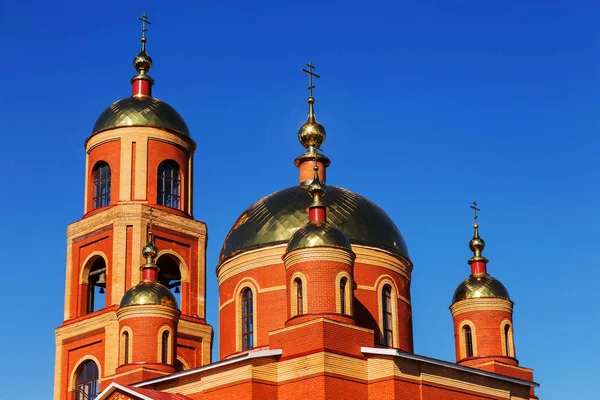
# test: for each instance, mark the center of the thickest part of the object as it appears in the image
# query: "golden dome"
(480, 287)
(311, 133)
(275, 218)
(149, 292)
(141, 111)
(318, 234)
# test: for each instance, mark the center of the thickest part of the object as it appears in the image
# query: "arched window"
(96, 298)
(343, 283)
(164, 351)
(468, 340)
(125, 347)
(86, 382)
(247, 320)
(169, 184)
(169, 274)
(387, 314)
(507, 340)
(299, 300)
(101, 174)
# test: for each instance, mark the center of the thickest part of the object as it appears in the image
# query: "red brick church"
(314, 284)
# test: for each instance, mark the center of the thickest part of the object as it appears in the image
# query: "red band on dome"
(316, 214)
(149, 274)
(141, 87)
(478, 268)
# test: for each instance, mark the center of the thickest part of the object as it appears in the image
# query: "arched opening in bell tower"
(169, 274)
(96, 285)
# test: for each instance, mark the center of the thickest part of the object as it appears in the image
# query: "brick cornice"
(250, 260)
(85, 325)
(382, 258)
(127, 214)
(273, 255)
(481, 304)
(147, 310)
(318, 254)
(136, 133)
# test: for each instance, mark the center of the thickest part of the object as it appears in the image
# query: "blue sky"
(427, 105)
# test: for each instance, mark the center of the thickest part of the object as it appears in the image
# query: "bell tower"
(139, 168)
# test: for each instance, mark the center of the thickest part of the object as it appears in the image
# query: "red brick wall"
(100, 240)
(488, 335)
(110, 152)
(320, 284)
(159, 152)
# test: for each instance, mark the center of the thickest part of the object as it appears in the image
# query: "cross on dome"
(310, 76)
(144, 19)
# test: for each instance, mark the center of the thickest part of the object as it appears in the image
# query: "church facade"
(314, 284)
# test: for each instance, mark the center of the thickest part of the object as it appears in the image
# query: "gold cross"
(144, 19)
(475, 209)
(150, 211)
(310, 76)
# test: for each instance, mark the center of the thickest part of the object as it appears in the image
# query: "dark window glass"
(299, 300)
(164, 353)
(506, 339)
(86, 384)
(101, 196)
(343, 282)
(169, 184)
(247, 320)
(468, 340)
(388, 323)
(125, 347)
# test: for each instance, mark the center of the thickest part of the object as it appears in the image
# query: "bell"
(177, 289)
(101, 290)
(101, 279)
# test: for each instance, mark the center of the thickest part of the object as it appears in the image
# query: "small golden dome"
(311, 133)
(149, 250)
(480, 287)
(149, 292)
(142, 62)
(315, 188)
(318, 234)
(477, 244)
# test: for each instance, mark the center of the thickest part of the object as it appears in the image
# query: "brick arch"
(122, 344)
(83, 359)
(348, 293)
(380, 283)
(170, 345)
(511, 340)
(183, 267)
(293, 299)
(87, 264)
(462, 341)
(253, 285)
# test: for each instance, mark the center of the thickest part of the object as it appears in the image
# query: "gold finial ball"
(142, 62)
(149, 250)
(316, 189)
(311, 133)
(477, 244)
